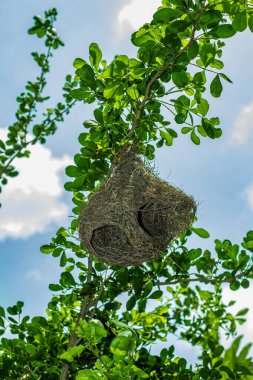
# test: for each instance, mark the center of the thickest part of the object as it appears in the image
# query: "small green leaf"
(210, 18)
(242, 312)
(226, 77)
(131, 303)
(193, 50)
(79, 62)
(235, 285)
(55, 287)
(167, 137)
(195, 139)
(185, 130)
(88, 374)
(223, 31)
(82, 93)
(203, 106)
(180, 118)
(242, 369)
(216, 87)
(156, 294)
(46, 249)
(72, 352)
(240, 21)
(201, 232)
(95, 55)
(87, 75)
(139, 372)
(180, 78)
(2, 312)
(245, 283)
(30, 348)
(110, 90)
(250, 23)
(166, 14)
(133, 92)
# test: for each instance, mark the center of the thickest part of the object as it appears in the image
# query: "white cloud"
(242, 132)
(35, 276)
(135, 13)
(31, 201)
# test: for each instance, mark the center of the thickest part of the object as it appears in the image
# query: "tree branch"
(73, 340)
(207, 279)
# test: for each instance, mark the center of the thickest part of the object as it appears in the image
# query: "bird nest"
(134, 215)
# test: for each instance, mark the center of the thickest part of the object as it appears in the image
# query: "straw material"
(134, 215)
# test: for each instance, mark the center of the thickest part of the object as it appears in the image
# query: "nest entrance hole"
(111, 241)
(152, 218)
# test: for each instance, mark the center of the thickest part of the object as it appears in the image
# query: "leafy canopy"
(102, 321)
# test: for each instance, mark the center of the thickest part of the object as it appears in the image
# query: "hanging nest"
(134, 215)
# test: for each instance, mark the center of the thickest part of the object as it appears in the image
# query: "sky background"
(219, 173)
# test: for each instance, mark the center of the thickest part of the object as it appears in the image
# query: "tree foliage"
(102, 321)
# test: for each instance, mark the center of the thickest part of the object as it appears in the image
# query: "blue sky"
(219, 173)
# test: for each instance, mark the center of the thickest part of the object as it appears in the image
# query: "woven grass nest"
(134, 215)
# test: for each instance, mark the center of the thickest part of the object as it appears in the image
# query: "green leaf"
(73, 171)
(95, 55)
(72, 352)
(242, 369)
(2, 322)
(139, 372)
(180, 78)
(166, 14)
(223, 31)
(133, 92)
(250, 23)
(83, 93)
(87, 75)
(2, 312)
(110, 90)
(235, 285)
(167, 137)
(79, 62)
(131, 303)
(217, 64)
(55, 287)
(203, 107)
(239, 22)
(242, 312)
(185, 130)
(143, 38)
(88, 374)
(216, 87)
(245, 283)
(31, 349)
(156, 294)
(218, 351)
(225, 77)
(201, 232)
(46, 249)
(193, 50)
(195, 139)
(210, 18)
(180, 118)
(200, 78)
(67, 279)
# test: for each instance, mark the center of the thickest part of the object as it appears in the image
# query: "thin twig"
(33, 141)
(206, 279)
